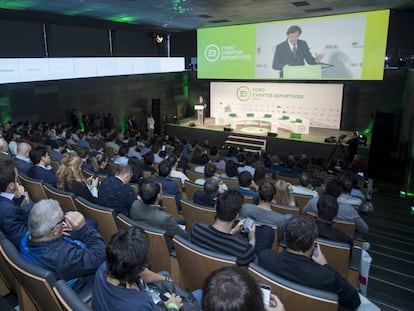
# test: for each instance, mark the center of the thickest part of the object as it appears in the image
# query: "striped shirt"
(210, 238)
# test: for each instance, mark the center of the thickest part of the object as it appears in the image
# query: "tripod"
(333, 151)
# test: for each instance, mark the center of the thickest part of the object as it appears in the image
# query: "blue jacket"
(115, 194)
(13, 219)
(247, 192)
(65, 257)
(169, 187)
(45, 175)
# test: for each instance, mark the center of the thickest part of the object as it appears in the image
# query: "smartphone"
(266, 291)
(315, 251)
(361, 174)
(248, 223)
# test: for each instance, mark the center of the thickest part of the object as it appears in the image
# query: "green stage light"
(16, 5)
(122, 19)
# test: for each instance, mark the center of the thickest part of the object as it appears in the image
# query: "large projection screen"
(339, 47)
(321, 104)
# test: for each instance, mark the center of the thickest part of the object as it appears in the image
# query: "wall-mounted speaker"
(270, 134)
(228, 129)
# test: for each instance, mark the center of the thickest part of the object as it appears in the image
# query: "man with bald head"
(22, 160)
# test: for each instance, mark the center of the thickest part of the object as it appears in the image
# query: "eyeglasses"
(60, 221)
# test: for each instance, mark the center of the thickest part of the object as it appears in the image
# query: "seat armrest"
(86, 295)
(355, 260)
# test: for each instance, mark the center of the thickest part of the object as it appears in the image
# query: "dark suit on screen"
(284, 55)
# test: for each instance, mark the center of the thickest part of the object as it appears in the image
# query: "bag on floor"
(366, 260)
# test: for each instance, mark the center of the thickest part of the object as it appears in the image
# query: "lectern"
(200, 111)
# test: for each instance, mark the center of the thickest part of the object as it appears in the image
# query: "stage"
(312, 144)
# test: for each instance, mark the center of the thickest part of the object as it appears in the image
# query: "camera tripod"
(333, 151)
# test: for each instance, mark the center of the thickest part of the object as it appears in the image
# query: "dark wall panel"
(21, 39)
(133, 43)
(72, 41)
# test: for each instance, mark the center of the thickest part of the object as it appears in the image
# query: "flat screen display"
(339, 47)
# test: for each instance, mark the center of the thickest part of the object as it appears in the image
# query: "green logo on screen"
(212, 53)
(243, 93)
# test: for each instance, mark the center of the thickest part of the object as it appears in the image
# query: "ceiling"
(178, 15)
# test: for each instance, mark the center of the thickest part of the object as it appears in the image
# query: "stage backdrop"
(321, 104)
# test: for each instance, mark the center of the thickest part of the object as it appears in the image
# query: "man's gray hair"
(23, 148)
(43, 217)
(123, 169)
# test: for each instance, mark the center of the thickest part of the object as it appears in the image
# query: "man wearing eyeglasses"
(47, 244)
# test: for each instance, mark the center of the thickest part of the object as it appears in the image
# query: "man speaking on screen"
(293, 52)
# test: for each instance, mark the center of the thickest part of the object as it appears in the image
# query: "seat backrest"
(337, 254)
(111, 167)
(34, 187)
(230, 183)
(194, 175)
(35, 283)
(194, 212)
(301, 200)
(285, 209)
(191, 188)
(8, 278)
(69, 300)
(170, 206)
(248, 200)
(159, 251)
(343, 225)
(295, 296)
(66, 199)
(104, 216)
(134, 187)
(196, 263)
(178, 183)
(290, 180)
(109, 151)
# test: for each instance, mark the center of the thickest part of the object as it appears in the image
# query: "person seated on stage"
(245, 181)
(174, 173)
(115, 191)
(210, 171)
(70, 178)
(345, 211)
(73, 259)
(149, 212)
(283, 193)
(120, 282)
(208, 197)
(22, 160)
(230, 171)
(247, 164)
(234, 289)
(222, 237)
(168, 186)
(204, 159)
(304, 186)
(300, 264)
(327, 211)
(13, 216)
(41, 169)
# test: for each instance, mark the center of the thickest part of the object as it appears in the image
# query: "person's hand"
(18, 192)
(318, 57)
(175, 299)
(95, 182)
(75, 220)
(237, 228)
(67, 229)
(275, 304)
(252, 235)
(319, 258)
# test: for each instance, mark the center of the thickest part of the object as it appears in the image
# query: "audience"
(234, 289)
(207, 197)
(22, 159)
(120, 282)
(73, 259)
(298, 263)
(283, 194)
(304, 185)
(222, 237)
(245, 181)
(114, 191)
(41, 169)
(13, 217)
(168, 186)
(149, 212)
(70, 178)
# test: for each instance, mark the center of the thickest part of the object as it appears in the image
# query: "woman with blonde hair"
(70, 178)
(283, 193)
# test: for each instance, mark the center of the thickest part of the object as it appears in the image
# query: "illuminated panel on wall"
(340, 47)
(14, 70)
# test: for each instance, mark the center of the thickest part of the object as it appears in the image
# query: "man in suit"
(114, 191)
(293, 52)
(22, 160)
(41, 169)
